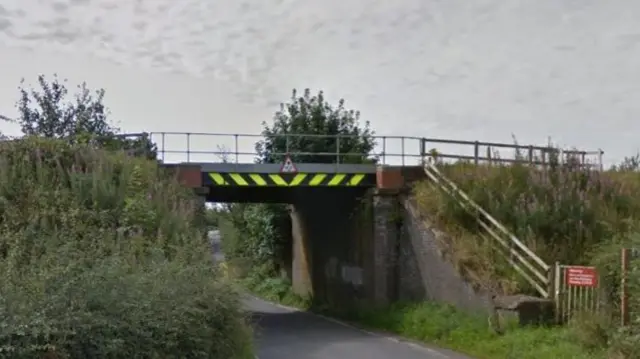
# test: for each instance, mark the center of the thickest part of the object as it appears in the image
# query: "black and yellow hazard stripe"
(289, 179)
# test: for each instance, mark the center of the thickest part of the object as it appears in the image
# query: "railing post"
(476, 152)
(402, 145)
(286, 143)
(163, 141)
(600, 153)
(384, 150)
(489, 154)
(188, 147)
(530, 154)
(236, 147)
(338, 149)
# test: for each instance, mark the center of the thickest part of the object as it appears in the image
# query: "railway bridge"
(343, 206)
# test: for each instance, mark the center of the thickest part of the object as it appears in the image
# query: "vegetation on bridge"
(102, 255)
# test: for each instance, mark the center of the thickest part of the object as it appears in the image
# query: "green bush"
(104, 256)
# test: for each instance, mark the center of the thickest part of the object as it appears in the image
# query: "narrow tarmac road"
(283, 333)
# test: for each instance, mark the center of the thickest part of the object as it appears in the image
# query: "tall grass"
(565, 213)
(561, 212)
(103, 256)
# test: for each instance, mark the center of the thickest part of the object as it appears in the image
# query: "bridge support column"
(387, 231)
(302, 261)
(386, 238)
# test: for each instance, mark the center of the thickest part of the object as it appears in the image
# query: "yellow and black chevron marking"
(289, 179)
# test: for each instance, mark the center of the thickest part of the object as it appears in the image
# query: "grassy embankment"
(104, 256)
(563, 214)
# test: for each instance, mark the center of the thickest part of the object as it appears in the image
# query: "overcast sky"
(482, 69)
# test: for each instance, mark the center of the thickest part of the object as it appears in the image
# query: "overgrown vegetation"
(102, 254)
(564, 213)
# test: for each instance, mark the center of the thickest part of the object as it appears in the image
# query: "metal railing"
(531, 267)
(492, 152)
(396, 150)
(241, 148)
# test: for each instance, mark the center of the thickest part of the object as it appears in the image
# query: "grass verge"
(443, 326)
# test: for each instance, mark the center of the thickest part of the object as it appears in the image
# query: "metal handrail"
(332, 157)
(380, 155)
(531, 267)
(535, 155)
(409, 147)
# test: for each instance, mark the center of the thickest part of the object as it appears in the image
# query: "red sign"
(578, 276)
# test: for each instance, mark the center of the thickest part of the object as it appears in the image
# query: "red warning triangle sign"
(288, 166)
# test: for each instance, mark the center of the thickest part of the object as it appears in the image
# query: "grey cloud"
(535, 67)
(5, 24)
(59, 6)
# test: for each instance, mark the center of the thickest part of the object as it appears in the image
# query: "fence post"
(476, 152)
(530, 154)
(624, 290)
(188, 147)
(600, 153)
(556, 291)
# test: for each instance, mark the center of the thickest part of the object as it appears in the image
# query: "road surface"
(283, 333)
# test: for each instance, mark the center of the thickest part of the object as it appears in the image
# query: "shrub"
(104, 256)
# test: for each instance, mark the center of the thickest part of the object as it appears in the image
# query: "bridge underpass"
(345, 235)
(332, 211)
(341, 217)
(345, 244)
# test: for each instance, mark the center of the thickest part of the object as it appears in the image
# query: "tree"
(313, 131)
(47, 112)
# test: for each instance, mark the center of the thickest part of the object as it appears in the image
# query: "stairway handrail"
(438, 177)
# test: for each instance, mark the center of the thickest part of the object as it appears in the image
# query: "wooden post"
(624, 295)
